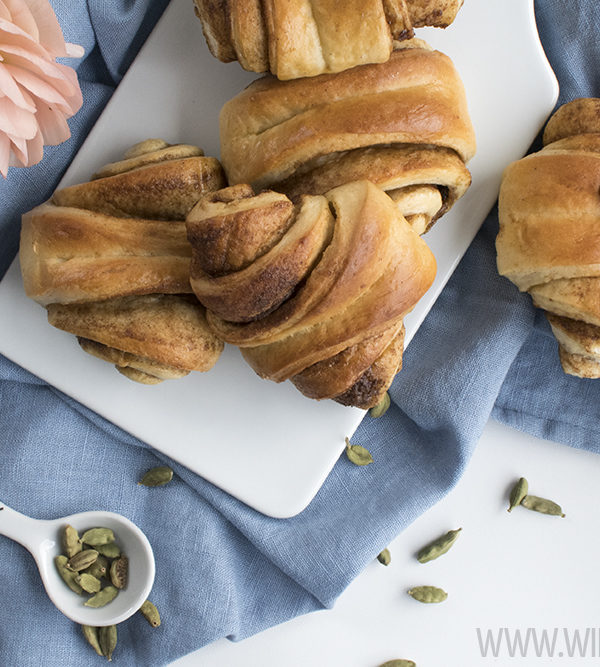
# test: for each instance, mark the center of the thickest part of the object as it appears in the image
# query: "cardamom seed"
(158, 476)
(89, 583)
(385, 557)
(107, 638)
(106, 595)
(98, 568)
(91, 634)
(519, 491)
(542, 505)
(109, 550)
(150, 613)
(70, 541)
(381, 408)
(96, 537)
(82, 560)
(118, 571)
(68, 576)
(398, 663)
(438, 547)
(357, 454)
(428, 594)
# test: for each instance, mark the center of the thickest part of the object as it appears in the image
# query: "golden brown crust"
(72, 255)
(111, 261)
(168, 329)
(548, 244)
(302, 38)
(147, 371)
(581, 116)
(433, 174)
(368, 268)
(403, 124)
(372, 385)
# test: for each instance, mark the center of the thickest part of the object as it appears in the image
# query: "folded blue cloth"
(224, 570)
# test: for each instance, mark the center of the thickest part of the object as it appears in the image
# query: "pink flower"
(37, 94)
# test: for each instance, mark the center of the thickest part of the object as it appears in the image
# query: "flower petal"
(16, 121)
(38, 87)
(53, 125)
(10, 88)
(21, 16)
(4, 154)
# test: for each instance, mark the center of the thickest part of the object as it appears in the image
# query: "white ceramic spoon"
(43, 540)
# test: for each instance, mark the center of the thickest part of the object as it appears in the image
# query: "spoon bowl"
(43, 540)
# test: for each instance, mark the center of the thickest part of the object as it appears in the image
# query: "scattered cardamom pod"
(158, 476)
(542, 505)
(88, 582)
(357, 454)
(98, 568)
(82, 560)
(428, 594)
(107, 638)
(519, 491)
(96, 537)
(119, 571)
(438, 547)
(68, 576)
(70, 541)
(106, 595)
(150, 613)
(109, 550)
(381, 408)
(398, 663)
(91, 634)
(385, 557)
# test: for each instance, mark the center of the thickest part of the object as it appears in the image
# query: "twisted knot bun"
(403, 124)
(549, 240)
(110, 261)
(302, 38)
(315, 292)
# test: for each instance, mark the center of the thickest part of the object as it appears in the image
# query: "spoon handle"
(20, 528)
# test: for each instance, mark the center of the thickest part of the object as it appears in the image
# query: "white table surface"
(517, 571)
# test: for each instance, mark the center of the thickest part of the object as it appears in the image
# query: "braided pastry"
(110, 260)
(315, 292)
(403, 124)
(301, 38)
(549, 240)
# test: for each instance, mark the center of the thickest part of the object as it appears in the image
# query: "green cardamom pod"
(91, 634)
(70, 541)
(103, 597)
(357, 454)
(381, 408)
(98, 568)
(385, 557)
(89, 583)
(107, 638)
(82, 560)
(542, 505)
(96, 537)
(428, 594)
(109, 550)
(150, 613)
(158, 476)
(438, 547)
(398, 663)
(68, 576)
(519, 491)
(118, 572)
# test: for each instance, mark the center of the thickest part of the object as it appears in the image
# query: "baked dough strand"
(322, 302)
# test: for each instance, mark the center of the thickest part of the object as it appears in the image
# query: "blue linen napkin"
(222, 568)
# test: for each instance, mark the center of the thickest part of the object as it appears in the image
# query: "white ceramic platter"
(265, 443)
